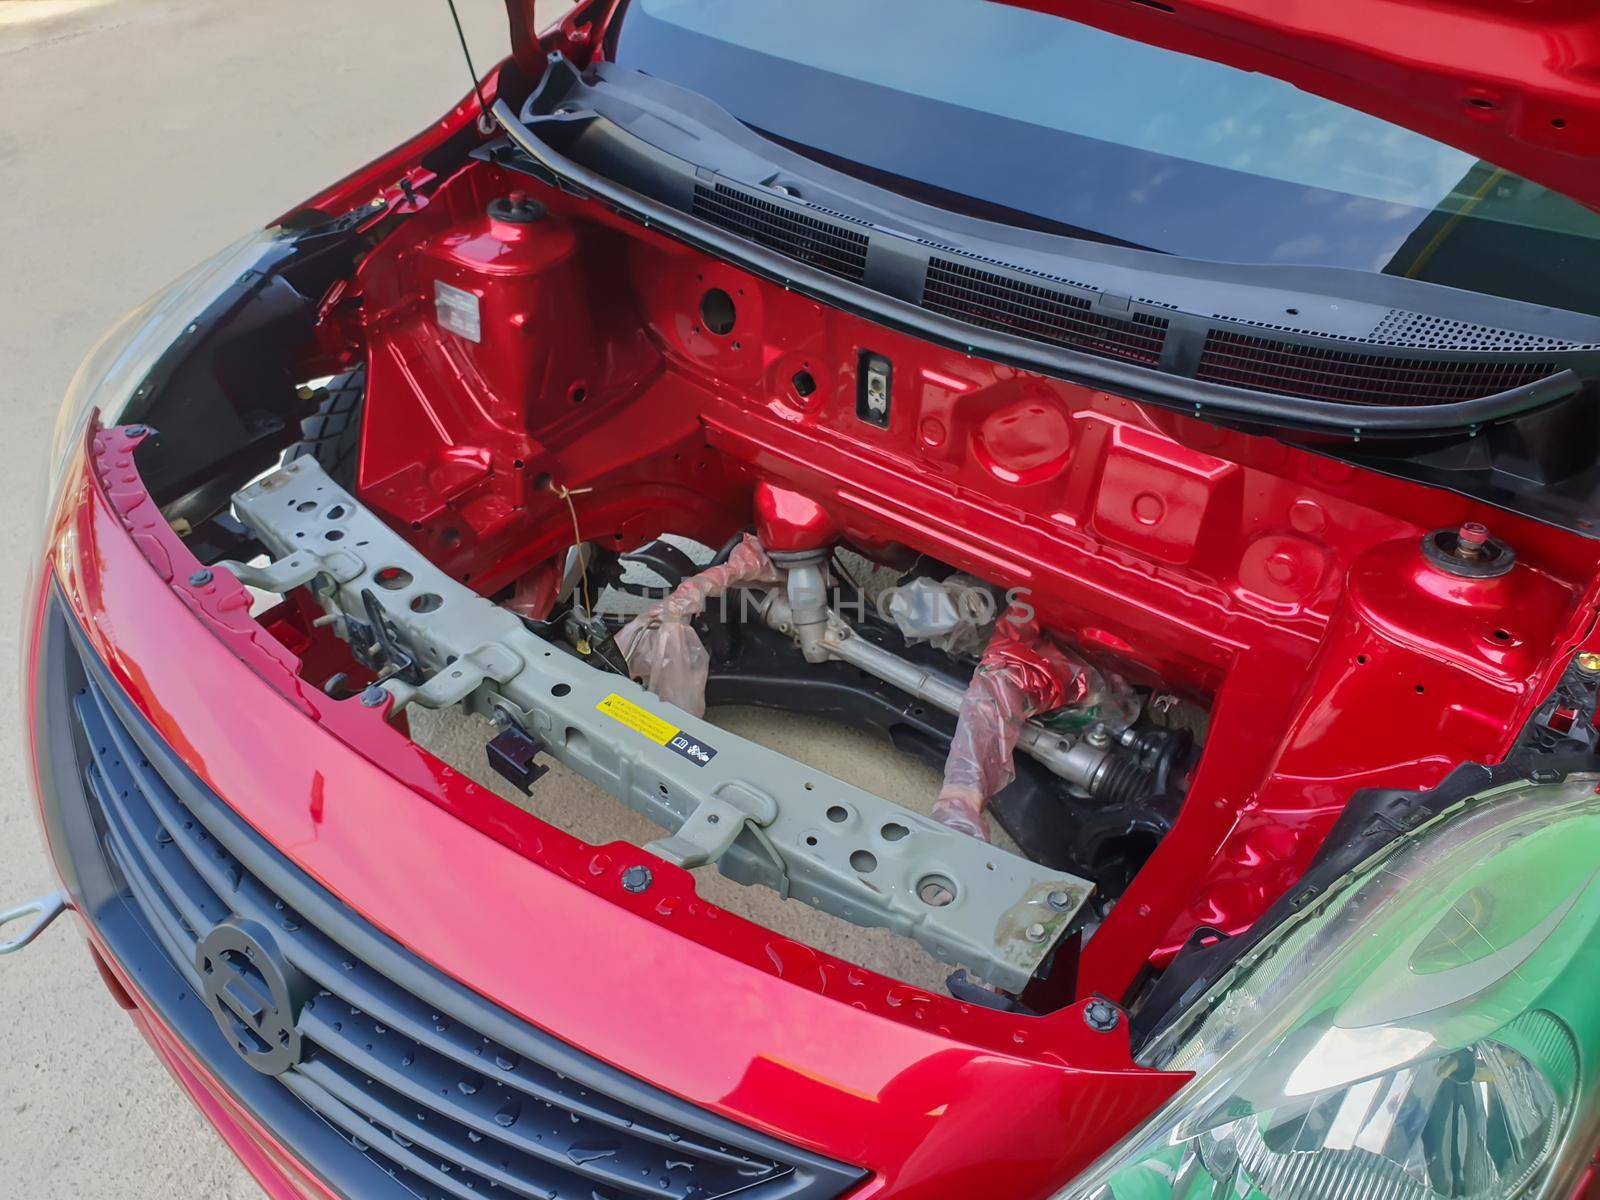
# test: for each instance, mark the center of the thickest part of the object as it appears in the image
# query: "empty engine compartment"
(543, 374)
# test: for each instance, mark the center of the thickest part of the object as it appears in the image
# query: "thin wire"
(577, 540)
(477, 88)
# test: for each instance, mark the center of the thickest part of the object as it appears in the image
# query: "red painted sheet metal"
(694, 1000)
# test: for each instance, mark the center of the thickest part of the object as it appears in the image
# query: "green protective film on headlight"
(1421, 1033)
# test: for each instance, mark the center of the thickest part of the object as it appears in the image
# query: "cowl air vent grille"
(1402, 328)
(1322, 373)
(829, 245)
(1034, 310)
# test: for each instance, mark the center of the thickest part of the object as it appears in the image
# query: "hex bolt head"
(373, 697)
(200, 578)
(637, 879)
(1034, 932)
(1589, 662)
(1059, 900)
(1101, 1015)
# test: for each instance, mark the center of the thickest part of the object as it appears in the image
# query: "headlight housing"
(1426, 1031)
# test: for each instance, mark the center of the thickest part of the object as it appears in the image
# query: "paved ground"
(134, 139)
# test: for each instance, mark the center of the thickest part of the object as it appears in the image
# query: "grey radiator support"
(759, 815)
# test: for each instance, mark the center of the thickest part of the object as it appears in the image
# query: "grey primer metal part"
(759, 815)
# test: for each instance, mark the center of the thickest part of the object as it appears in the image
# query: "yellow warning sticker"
(637, 719)
(662, 732)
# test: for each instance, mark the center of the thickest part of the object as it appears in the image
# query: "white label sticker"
(457, 311)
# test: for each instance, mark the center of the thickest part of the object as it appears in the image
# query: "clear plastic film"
(1022, 674)
(952, 614)
(662, 648)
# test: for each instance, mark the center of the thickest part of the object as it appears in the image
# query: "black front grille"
(1039, 311)
(831, 245)
(445, 1094)
(1323, 373)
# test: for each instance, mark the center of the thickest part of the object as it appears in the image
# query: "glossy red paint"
(784, 1038)
(787, 521)
(1282, 589)
(1285, 590)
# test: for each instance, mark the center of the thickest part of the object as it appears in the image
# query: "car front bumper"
(715, 1021)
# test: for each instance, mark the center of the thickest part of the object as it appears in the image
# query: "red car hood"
(1516, 82)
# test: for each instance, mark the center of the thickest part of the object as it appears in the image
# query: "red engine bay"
(654, 390)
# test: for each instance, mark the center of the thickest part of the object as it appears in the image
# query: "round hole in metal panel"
(427, 602)
(864, 861)
(717, 313)
(392, 579)
(936, 891)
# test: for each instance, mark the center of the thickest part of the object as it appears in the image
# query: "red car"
(1174, 423)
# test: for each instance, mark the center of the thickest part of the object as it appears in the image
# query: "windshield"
(1116, 139)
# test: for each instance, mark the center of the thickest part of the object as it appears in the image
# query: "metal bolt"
(1059, 900)
(373, 697)
(1034, 932)
(637, 879)
(1471, 540)
(1589, 662)
(1101, 1015)
(1099, 737)
(200, 578)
